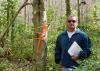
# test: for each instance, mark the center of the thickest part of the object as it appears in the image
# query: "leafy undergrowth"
(22, 51)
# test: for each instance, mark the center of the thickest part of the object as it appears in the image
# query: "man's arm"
(86, 45)
(58, 51)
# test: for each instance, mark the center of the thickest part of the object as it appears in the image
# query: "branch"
(12, 21)
(29, 4)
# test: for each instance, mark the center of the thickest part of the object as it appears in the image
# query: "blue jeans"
(66, 69)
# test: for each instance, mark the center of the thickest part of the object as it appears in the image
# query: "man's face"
(72, 22)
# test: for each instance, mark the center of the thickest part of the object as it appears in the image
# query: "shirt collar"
(77, 31)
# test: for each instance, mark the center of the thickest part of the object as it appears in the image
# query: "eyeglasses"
(69, 21)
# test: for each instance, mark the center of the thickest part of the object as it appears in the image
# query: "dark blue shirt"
(63, 43)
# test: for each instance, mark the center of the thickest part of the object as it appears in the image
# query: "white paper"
(74, 49)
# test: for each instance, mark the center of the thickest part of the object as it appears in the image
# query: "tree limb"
(12, 21)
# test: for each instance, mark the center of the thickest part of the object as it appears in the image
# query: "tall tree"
(8, 1)
(40, 35)
(83, 10)
(12, 12)
(78, 3)
(25, 15)
(68, 9)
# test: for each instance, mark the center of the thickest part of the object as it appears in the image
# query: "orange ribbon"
(43, 36)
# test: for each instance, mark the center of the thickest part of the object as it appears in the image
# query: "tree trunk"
(78, 3)
(40, 35)
(12, 28)
(8, 10)
(68, 10)
(25, 15)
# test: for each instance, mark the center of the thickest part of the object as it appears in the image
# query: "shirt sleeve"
(58, 51)
(86, 46)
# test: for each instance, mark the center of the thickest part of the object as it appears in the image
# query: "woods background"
(16, 47)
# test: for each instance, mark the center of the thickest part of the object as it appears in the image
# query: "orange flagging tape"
(43, 36)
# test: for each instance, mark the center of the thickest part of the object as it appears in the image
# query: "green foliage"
(3, 64)
(23, 41)
(1, 51)
(3, 15)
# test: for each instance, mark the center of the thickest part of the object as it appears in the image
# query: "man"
(64, 42)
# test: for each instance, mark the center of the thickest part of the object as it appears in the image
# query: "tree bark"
(12, 27)
(8, 11)
(68, 10)
(78, 3)
(40, 35)
(25, 15)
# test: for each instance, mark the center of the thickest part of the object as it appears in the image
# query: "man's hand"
(75, 58)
